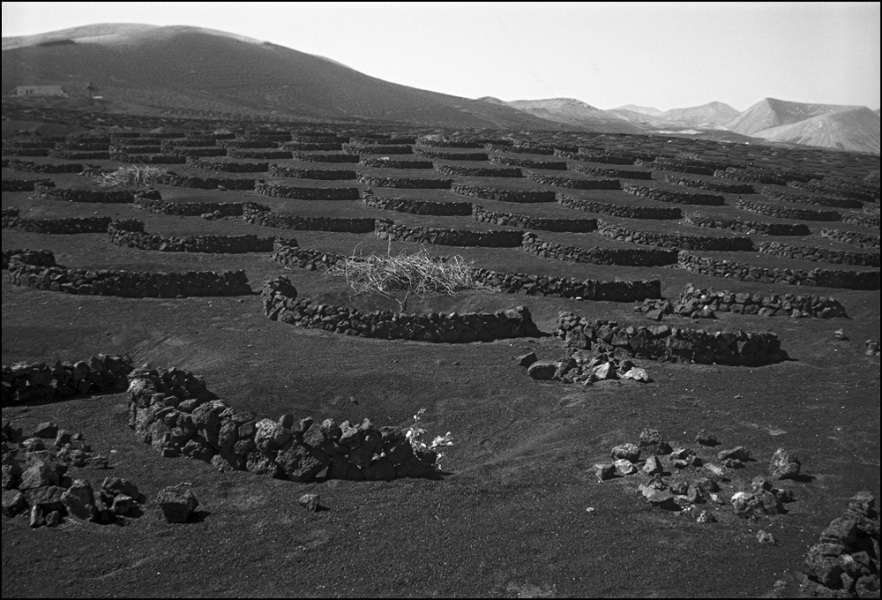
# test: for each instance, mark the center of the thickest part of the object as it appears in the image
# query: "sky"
(661, 55)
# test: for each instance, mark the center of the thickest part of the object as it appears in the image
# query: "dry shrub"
(132, 176)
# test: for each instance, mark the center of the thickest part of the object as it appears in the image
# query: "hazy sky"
(664, 55)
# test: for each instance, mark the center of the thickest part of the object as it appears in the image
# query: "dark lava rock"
(525, 360)
(784, 465)
(706, 438)
(309, 501)
(542, 370)
(177, 503)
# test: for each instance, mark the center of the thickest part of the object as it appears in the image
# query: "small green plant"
(415, 435)
(132, 176)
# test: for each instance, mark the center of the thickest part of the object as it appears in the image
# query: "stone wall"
(29, 382)
(129, 284)
(277, 190)
(660, 342)
(751, 227)
(329, 138)
(750, 175)
(42, 258)
(80, 195)
(528, 222)
(871, 221)
(28, 166)
(58, 226)
(312, 146)
(477, 171)
(377, 149)
(636, 257)
(443, 141)
(289, 254)
(206, 183)
(181, 154)
(673, 164)
(325, 157)
(189, 209)
(324, 174)
(613, 172)
(619, 210)
(259, 215)
(694, 299)
(387, 230)
(227, 166)
(862, 240)
(419, 207)
(412, 183)
(576, 184)
(25, 185)
(673, 197)
(281, 303)
(589, 289)
(388, 163)
(147, 159)
(596, 157)
(856, 280)
(488, 193)
(839, 188)
(259, 154)
(781, 212)
(803, 199)
(711, 186)
(130, 233)
(827, 255)
(440, 155)
(520, 148)
(531, 163)
(173, 411)
(246, 144)
(674, 240)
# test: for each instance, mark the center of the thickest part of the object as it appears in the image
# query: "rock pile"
(26, 382)
(581, 367)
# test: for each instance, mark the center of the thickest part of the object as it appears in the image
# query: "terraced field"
(609, 228)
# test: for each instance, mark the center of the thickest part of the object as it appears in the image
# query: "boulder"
(79, 500)
(177, 503)
(624, 467)
(604, 471)
(542, 370)
(784, 465)
(738, 453)
(629, 452)
(13, 503)
(309, 501)
(525, 360)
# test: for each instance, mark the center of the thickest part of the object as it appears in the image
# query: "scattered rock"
(872, 348)
(177, 503)
(13, 503)
(764, 537)
(542, 370)
(705, 516)
(79, 500)
(637, 374)
(661, 498)
(627, 451)
(784, 465)
(738, 453)
(652, 466)
(525, 360)
(46, 430)
(624, 467)
(706, 438)
(309, 501)
(840, 335)
(604, 471)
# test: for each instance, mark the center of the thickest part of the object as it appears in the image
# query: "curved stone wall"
(673, 197)
(248, 144)
(488, 193)
(129, 284)
(387, 230)
(228, 167)
(597, 156)
(781, 212)
(98, 145)
(23, 382)
(443, 141)
(388, 163)
(636, 257)
(477, 171)
(862, 240)
(660, 342)
(412, 183)
(125, 150)
(277, 190)
(554, 165)
(871, 221)
(59, 226)
(528, 222)
(130, 234)
(750, 175)
(819, 200)
(206, 183)
(172, 144)
(312, 146)
(440, 155)
(25, 185)
(520, 148)
(672, 164)
(827, 255)
(72, 154)
(28, 166)
(419, 207)
(377, 149)
(189, 209)
(589, 289)
(725, 188)
(326, 158)
(613, 172)
(694, 299)
(259, 154)
(617, 210)
(674, 240)
(287, 253)
(856, 280)
(281, 303)
(41, 258)
(751, 227)
(258, 215)
(840, 188)
(330, 138)
(148, 159)
(576, 184)
(323, 174)
(383, 139)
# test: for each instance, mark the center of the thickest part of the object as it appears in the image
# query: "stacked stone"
(312, 146)
(227, 166)
(855, 190)
(526, 221)
(25, 148)
(287, 253)
(74, 154)
(28, 166)
(130, 284)
(673, 197)
(520, 148)
(862, 240)
(856, 280)
(711, 186)
(573, 183)
(259, 154)
(827, 255)
(694, 300)
(674, 240)
(277, 190)
(818, 200)
(443, 141)
(845, 562)
(173, 145)
(323, 174)
(307, 138)
(589, 289)
(382, 138)
(254, 143)
(358, 149)
(596, 156)
(280, 303)
(388, 163)
(190, 209)
(387, 230)
(59, 226)
(439, 155)
(781, 212)
(663, 343)
(128, 151)
(666, 163)
(487, 193)
(157, 158)
(619, 210)
(477, 171)
(325, 157)
(25, 185)
(613, 172)
(633, 257)
(174, 412)
(419, 207)
(42, 258)
(579, 368)
(750, 227)
(871, 221)
(130, 233)
(182, 154)
(553, 165)
(206, 183)
(79, 195)
(750, 175)
(261, 215)
(98, 144)
(26, 382)
(404, 182)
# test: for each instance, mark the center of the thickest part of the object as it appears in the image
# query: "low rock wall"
(80, 195)
(589, 289)
(856, 280)
(250, 144)
(388, 163)
(674, 240)
(441, 155)
(254, 213)
(443, 141)
(325, 158)
(596, 157)
(277, 190)
(130, 234)
(576, 184)
(618, 210)
(25, 185)
(751, 227)
(41, 381)
(312, 146)
(670, 164)
(228, 166)
(148, 159)
(419, 207)
(750, 175)
(206, 183)
(862, 240)
(673, 197)
(528, 222)
(189, 209)
(871, 221)
(41, 258)
(324, 174)
(259, 154)
(28, 166)
(826, 255)
(711, 186)
(636, 257)
(412, 183)
(520, 148)
(613, 172)
(660, 342)
(289, 254)
(377, 148)
(531, 163)
(818, 200)
(387, 230)
(845, 190)
(477, 171)
(694, 299)
(781, 212)
(59, 226)
(488, 193)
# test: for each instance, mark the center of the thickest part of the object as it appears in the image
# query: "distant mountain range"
(194, 72)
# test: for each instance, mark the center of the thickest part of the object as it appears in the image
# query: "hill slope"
(190, 71)
(855, 130)
(576, 113)
(712, 113)
(770, 112)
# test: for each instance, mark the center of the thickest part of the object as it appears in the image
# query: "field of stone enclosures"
(661, 377)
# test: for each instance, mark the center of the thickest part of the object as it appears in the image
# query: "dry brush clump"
(406, 275)
(132, 176)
